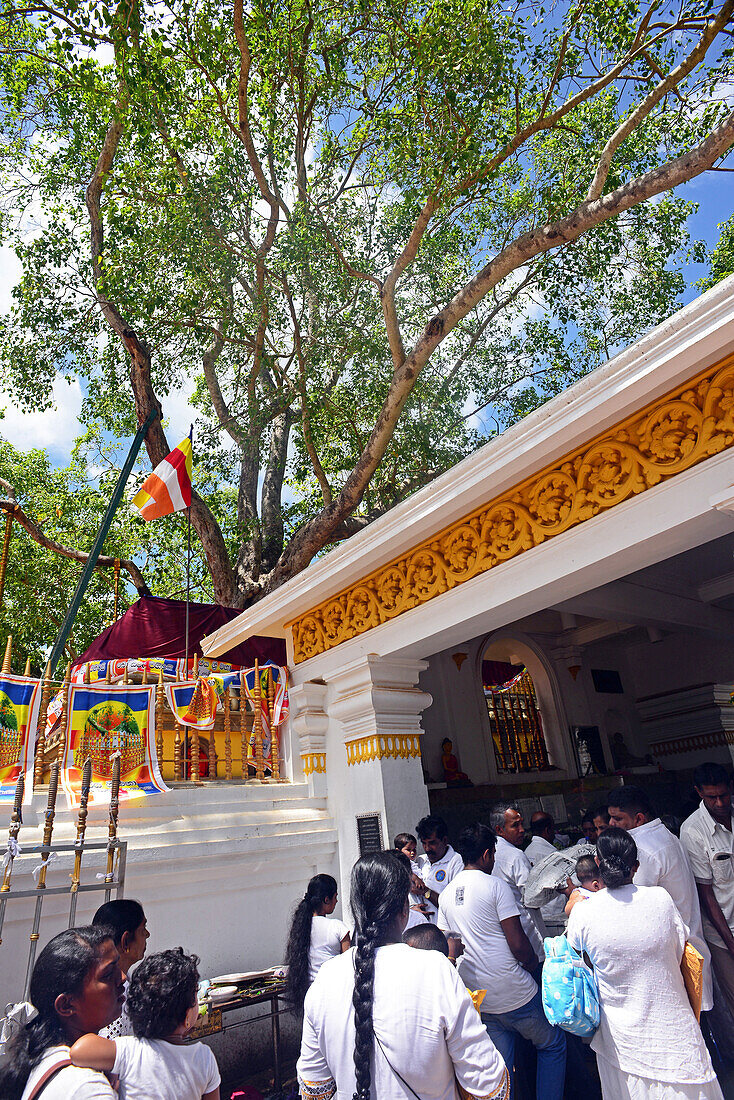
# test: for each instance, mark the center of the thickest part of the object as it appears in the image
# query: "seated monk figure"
(451, 773)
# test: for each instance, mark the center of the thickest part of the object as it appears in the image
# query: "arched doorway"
(525, 727)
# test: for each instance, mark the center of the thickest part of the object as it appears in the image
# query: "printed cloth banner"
(194, 704)
(280, 702)
(20, 699)
(105, 718)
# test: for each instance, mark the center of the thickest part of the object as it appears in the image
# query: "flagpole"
(188, 560)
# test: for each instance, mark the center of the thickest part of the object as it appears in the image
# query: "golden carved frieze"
(669, 436)
(314, 762)
(383, 746)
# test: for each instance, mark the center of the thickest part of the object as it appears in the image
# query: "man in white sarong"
(439, 865)
(663, 862)
(513, 867)
(708, 840)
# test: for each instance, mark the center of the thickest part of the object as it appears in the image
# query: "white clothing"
(554, 912)
(415, 917)
(71, 1083)
(474, 904)
(438, 875)
(424, 1019)
(153, 1069)
(327, 934)
(634, 937)
(513, 867)
(663, 862)
(122, 1025)
(618, 1085)
(710, 850)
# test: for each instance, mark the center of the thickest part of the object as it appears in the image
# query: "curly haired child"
(154, 1063)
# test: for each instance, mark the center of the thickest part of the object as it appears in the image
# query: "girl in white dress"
(76, 987)
(386, 1021)
(649, 1045)
(315, 936)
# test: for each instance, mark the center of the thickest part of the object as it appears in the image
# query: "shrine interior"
(631, 678)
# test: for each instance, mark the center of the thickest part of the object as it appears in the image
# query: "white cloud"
(54, 430)
(178, 412)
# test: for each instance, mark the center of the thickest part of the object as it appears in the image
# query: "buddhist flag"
(168, 488)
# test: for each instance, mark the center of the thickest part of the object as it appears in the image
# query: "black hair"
(318, 890)
(162, 990)
(120, 916)
(588, 815)
(402, 839)
(475, 840)
(379, 888)
(61, 968)
(617, 854)
(601, 810)
(445, 740)
(710, 774)
(401, 856)
(431, 824)
(631, 800)
(586, 868)
(540, 824)
(426, 937)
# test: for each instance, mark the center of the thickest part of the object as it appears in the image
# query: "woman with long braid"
(314, 936)
(386, 1022)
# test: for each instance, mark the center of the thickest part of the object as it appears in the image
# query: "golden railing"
(516, 726)
(233, 749)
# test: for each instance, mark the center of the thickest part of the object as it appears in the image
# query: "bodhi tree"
(351, 225)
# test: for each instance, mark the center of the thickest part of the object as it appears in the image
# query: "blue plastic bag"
(570, 995)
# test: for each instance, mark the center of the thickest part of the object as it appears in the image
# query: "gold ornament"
(314, 762)
(383, 746)
(669, 436)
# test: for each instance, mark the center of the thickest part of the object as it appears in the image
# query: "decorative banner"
(280, 702)
(103, 719)
(194, 704)
(20, 698)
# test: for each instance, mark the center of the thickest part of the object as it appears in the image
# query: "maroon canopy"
(153, 627)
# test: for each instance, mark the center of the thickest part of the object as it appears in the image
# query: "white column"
(374, 761)
(309, 721)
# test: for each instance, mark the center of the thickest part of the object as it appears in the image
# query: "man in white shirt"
(498, 958)
(708, 842)
(513, 867)
(541, 845)
(662, 862)
(440, 864)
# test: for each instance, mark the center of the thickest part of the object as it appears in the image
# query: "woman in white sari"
(649, 1045)
(389, 1022)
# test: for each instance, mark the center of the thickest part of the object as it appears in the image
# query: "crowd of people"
(382, 1022)
(434, 987)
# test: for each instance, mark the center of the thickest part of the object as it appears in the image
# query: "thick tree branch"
(156, 443)
(10, 504)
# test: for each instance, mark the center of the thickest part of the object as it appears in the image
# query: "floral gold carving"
(669, 436)
(383, 746)
(696, 743)
(314, 762)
